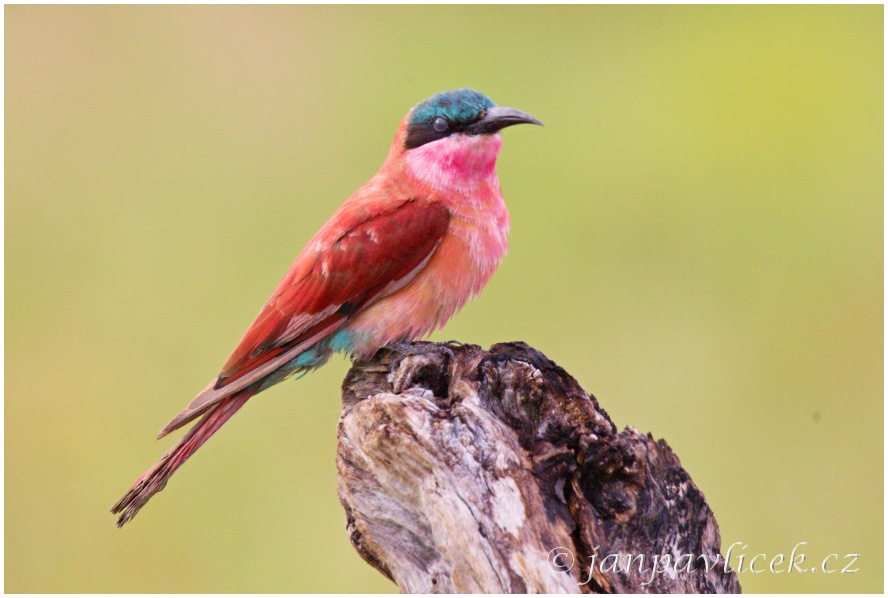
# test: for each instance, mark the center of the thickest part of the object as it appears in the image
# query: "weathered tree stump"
(464, 470)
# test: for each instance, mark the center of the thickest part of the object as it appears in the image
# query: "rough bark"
(464, 470)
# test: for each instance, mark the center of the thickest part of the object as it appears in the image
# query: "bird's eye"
(440, 124)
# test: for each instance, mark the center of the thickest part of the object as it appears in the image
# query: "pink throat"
(459, 163)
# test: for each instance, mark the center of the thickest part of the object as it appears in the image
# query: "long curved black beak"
(497, 118)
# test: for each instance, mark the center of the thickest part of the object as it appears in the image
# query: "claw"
(419, 365)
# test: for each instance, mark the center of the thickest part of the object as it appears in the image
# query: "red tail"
(153, 480)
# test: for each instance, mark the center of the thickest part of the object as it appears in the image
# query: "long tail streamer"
(154, 480)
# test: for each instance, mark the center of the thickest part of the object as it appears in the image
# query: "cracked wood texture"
(465, 470)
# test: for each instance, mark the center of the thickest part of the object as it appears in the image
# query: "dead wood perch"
(464, 470)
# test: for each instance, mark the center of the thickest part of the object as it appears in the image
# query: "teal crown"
(457, 106)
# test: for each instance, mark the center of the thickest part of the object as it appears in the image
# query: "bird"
(397, 260)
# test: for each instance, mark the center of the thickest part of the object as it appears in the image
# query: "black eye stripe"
(421, 133)
(425, 132)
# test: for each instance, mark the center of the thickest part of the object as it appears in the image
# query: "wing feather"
(377, 249)
(358, 257)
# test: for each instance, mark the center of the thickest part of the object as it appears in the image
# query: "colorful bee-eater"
(395, 262)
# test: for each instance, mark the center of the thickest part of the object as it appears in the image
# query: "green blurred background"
(697, 238)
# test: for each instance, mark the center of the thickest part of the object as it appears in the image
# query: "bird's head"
(450, 140)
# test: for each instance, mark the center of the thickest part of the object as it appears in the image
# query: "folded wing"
(365, 255)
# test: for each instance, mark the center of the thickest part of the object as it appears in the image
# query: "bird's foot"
(419, 366)
(421, 347)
